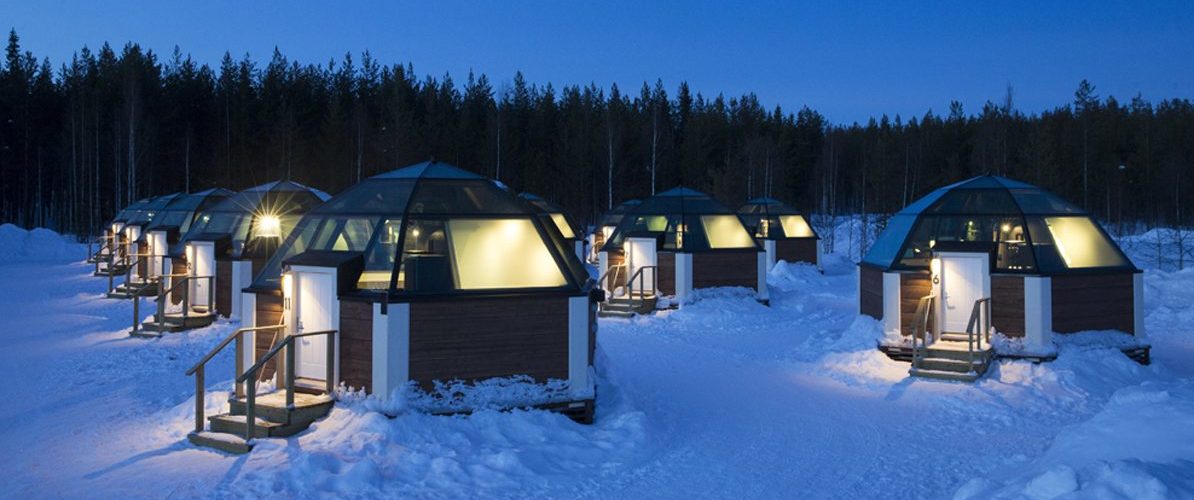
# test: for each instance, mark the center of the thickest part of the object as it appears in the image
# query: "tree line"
(80, 140)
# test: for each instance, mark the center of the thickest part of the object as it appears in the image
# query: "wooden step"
(220, 441)
(943, 375)
(955, 336)
(175, 322)
(307, 407)
(235, 424)
(951, 365)
(957, 350)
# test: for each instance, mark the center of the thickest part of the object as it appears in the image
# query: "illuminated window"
(562, 224)
(1081, 244)
(655, 223)
(502, 253)
(795, 226)
(726, 231)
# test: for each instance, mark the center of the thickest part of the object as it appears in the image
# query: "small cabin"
(568, 228)
(109, 259)
(674, 242)
(992, 254)
(782, 231)
(422, 276)
(221, 250)
(606, 225)
(154, 233)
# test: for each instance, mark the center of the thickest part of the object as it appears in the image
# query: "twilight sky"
(848, 60)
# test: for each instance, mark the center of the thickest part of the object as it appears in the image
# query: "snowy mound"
(1138, 446)
(39, 244)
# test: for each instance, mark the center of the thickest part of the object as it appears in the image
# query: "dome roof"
(235, 216)
(1033, 230)
(686, 219)
(782, 220)
(614, 216)
(183, 209)
(433, 227)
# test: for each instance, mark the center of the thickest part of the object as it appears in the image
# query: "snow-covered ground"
(723, 398)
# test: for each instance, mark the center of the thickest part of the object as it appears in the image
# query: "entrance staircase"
(135, 286)
(282, 412)
(639, 298)
(963, 357)
(188, 316)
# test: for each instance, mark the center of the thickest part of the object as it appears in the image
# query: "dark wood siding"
(726, 268)
(616, 258)
(1007, 305)
(913, 286)
(177, 266)
(870, 291)
(356, 344)
(666, 271)
(1093, 302)
(797, 250)
(269, 313)
(224, 287)
(474, 339)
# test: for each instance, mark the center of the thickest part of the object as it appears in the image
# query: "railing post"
(199, 399)
(186, 298)
(136, 312)
(239, 387)
(251, 407)
(331, 354)
(290, 373)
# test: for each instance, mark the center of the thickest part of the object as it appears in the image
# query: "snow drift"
(20, 245)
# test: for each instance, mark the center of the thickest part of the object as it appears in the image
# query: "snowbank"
(20, 245)
(1141, 445)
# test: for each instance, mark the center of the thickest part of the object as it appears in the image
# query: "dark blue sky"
(849, 60)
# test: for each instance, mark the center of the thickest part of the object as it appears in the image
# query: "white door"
(314, 295)
(641, 252)
(202, 263)
(964, 279)
(157, 248)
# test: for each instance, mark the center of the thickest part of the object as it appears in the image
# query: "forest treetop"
(82, 139)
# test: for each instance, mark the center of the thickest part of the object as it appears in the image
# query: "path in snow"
(724, 398)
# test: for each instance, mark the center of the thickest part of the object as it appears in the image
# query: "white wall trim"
(683, 277)
(1038, 314)
(242, 274)
(391, 349)
(578, 342)
(769, 247)
(891, 304)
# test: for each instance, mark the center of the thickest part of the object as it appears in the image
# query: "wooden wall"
(616, 257)
(870, 291)
(177, 266)
(666, 271)
(269, 313)
(1007, 304)
(913, 286)
(726, 268)
(1093, 302)
(356, 344)
(224, 287)
(473, 339)
(796, 250)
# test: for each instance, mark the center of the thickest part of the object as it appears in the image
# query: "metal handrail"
(128, 271)
(639, 274)
(198, 369)
(287, 343)
(980, 316)
(920, 321)
(616, 269)
(186, 294)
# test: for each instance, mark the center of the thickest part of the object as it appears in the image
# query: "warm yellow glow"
(726, 231)
(564, 227)
(932, 243)
(1080, 243)
(341, 244)
(501, 253)
(795, 226)
(1006, 227)
(764, 228)
(268, 226)
(374, 280)
(287, 289)
(656, 223)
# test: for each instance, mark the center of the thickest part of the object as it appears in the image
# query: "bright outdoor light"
(269, 226)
